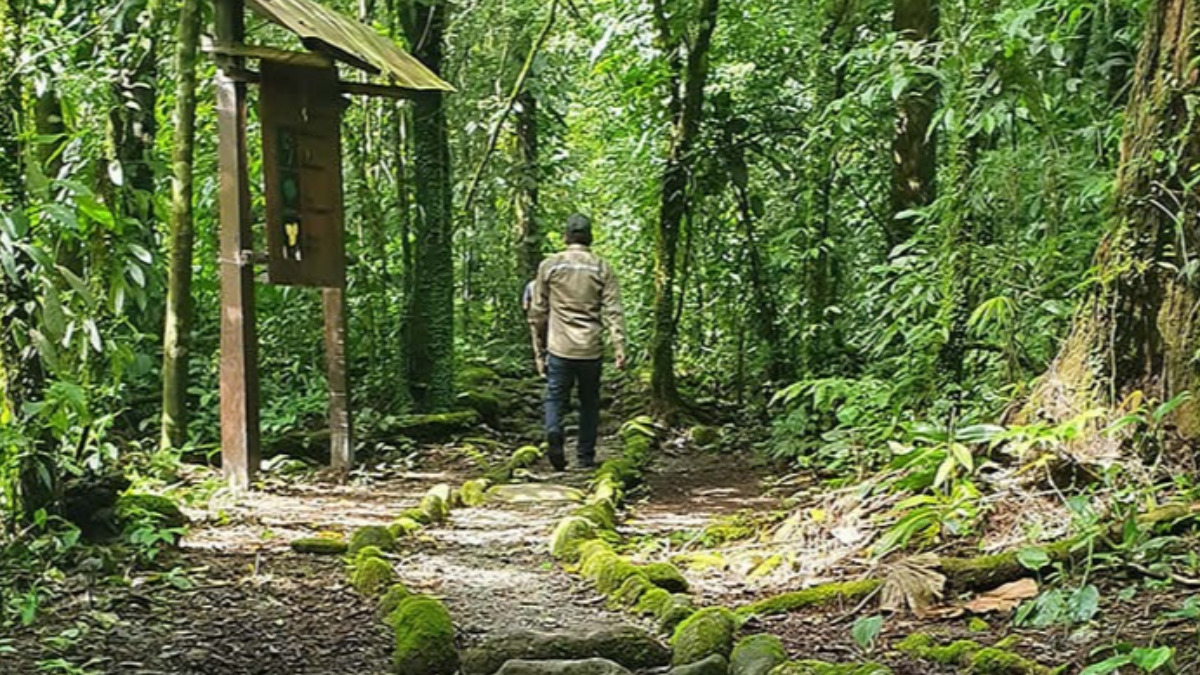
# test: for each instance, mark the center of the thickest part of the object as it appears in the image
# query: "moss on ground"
(666, 576)
(137, 506)
(371, 535)
(372, 576)
(707, 632)
(416, 514)
(970, 657)
(817, 596)
(424, 638)
(320, 545)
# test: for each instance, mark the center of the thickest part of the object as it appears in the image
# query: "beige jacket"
(574, 294)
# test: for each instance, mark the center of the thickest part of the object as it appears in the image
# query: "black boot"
(555, 454)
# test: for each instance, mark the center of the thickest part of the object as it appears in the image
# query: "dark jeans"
(561, 375)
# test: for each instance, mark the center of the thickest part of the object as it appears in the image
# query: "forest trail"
(240, 602)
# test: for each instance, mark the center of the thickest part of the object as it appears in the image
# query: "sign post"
(240, 440)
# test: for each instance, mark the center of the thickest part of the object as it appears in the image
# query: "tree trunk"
(431, 304)
(12, 178)
(529, 234)
(764, 308)
(914, 148)
(1137, 329)
(178, 327)
(131, 121)
(686, 106)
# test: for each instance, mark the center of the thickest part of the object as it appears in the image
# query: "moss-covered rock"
(704, 436)
(613, 573)
(713, 665)
(707, 632)
(436, 503)
(602, 514)
(424, 638)
(137, 506)
(632, 648)
(701, 560)
(560, 667)
(437, 426)
(622, 471)
(525, 457)
(674, 612)
(320, 545)
(817, 596)
(631, 591)
(476, 377)
(606, 489)
(487, 404)
(652, 602)
(666, 576)
(404, 527)
(474, 492)
(371, 535)
(367, 552)
(416, 514)
(372, 576)
(395, 594)
(570, 533)
(757, 655)
(594, 555)
(812, 667)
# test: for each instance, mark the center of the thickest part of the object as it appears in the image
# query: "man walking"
(575, 295)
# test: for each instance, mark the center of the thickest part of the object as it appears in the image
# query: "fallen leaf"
(1004, 598)
(913, 583)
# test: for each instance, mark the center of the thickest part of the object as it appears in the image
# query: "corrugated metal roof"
(349, 41)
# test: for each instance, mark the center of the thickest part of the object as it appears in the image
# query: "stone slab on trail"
(630, 647)
(584, 667)
(534, 493)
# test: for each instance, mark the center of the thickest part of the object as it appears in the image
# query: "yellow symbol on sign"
(293, 234)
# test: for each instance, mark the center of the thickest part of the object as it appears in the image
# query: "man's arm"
(539, 315)
(614, 314)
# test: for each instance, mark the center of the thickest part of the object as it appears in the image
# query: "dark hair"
(579, 230)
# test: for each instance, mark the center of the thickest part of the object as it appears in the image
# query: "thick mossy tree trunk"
(178, 326)
(914, 147)
(430, 333)
(686, 104)
(1137, 329)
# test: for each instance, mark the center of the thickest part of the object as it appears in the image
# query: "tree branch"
(518, 88)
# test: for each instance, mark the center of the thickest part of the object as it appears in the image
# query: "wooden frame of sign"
(301, 105)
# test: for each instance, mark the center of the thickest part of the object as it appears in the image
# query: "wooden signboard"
(301, 115)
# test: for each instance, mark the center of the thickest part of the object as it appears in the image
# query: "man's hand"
(620, 362)
(540, 362)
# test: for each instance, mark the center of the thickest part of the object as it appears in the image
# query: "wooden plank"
(309, 59)
(350, 41)
(341, 430)
(366, 89)
(240, 440)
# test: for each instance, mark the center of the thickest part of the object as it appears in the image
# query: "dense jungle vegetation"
(942, 247)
